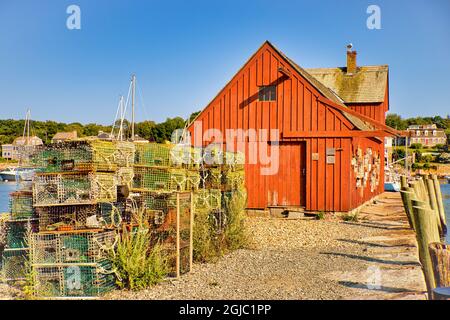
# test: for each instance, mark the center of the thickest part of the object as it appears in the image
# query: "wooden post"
(191, 237)
(440, 203)
(424, 190)
(417, 191)
(403, 182)
(407, 197)
(433, 203)
(426, 233)
(440, 257)
(178, 236)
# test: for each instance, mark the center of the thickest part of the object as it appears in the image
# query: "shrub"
(235, 233)
(137, 263)
(416, 146)
(350, 217)
(213, 239)
(427, 158)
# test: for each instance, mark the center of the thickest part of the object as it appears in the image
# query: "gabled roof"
(323, 89)
(65, 135)
(367, 85)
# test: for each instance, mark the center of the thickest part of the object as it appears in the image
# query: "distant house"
(64, 136)
(139, 139)
(7, 151)
(428, 135)
(11, 151)
(104, 135)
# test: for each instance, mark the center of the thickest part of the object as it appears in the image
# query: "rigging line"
(125, 110)
(142, 101)
(115, 118)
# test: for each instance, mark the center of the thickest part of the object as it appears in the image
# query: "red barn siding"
(320, 186)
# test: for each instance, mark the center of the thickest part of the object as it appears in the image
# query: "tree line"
(395, 121)
(150, 130)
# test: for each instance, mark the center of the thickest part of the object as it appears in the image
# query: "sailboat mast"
(133, 82)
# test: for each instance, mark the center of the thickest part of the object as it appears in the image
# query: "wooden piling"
(433, 203)
(403, 182)
(426, 232)
(440, 258)
(424, 190)
(407, 197)
(440, 202)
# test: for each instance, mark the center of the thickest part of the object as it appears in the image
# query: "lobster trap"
(170, 217)
(21, 205)
(14, 264)
(233, 179)
(68, 218)
(207, 199)
(125, 177)
(18, 232)
(155, 154)
(211, 178)
(74, 280)
(73, 188)
(84, 155)
(159, 179)
(83, 247)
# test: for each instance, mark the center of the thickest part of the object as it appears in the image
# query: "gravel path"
(288, 259)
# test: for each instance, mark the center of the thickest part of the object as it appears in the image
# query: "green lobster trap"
(159, 179)
(14, 264)
(18, 231)
(70, 247)
(21, 205)
(84, 155)
(74, 188)
(74, 280)
(158, 155)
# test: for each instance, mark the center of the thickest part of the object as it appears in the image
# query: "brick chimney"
(351, 60)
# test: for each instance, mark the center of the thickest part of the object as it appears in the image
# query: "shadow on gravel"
(357, 285)
(375, 225)
(370, 259)
(371, 244)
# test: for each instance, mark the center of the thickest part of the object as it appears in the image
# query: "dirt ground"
(373, 258)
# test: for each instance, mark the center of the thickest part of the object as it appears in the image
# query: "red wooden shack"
(327, 125)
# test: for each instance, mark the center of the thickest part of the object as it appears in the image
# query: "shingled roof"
(367, 85)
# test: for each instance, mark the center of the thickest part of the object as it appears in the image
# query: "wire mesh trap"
(160, 179)
(74, 188)
(14, 263)
(73, 247)
(21, 205)
(84, 155)
(73, 280)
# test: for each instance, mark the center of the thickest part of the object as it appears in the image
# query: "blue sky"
(184, 52)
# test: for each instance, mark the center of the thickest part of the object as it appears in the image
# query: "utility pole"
(133, 93)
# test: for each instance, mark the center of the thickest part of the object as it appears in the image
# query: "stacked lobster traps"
(87, 192)
(162, 186)
(75, 208)
(21, 222)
